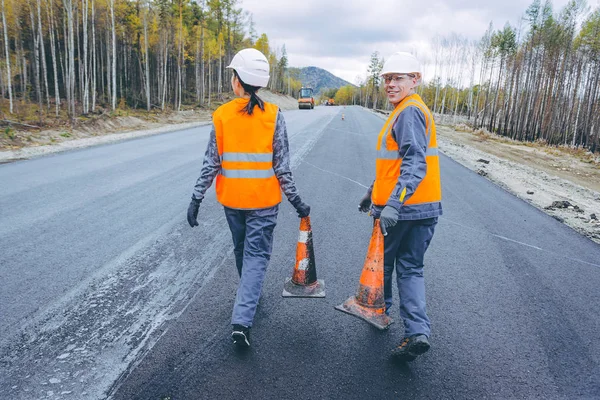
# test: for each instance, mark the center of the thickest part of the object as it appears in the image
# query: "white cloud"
(340, 35)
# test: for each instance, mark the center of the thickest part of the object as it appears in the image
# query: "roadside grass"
(9, 133)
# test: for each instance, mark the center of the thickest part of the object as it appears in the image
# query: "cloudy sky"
(340, 35)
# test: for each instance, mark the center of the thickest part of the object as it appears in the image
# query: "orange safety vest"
(245, 145)
(388, 161)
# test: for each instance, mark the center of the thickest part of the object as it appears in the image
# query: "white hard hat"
(402, 63)
(252, 67)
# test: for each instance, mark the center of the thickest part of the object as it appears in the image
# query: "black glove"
(302, 209)
(388, 219)
(192, 212)
(365, 203)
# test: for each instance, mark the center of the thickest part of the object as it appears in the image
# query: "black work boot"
(411, 347)
(241, 336)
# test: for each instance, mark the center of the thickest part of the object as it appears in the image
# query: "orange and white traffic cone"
(369, 302)
(304, 282)
(342, 116)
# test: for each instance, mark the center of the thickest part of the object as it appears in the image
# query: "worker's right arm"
(281, 159)
(210, 167)
(282, 169)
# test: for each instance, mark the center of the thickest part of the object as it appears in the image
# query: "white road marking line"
(522, 243)
(336, 174)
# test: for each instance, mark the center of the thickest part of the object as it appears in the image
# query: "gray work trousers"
(404, 249)
(252, 233)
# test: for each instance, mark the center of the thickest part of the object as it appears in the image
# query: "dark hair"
(254, 99)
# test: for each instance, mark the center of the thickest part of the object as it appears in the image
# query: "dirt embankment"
(284, 102)
(563, 182)
(18, 143)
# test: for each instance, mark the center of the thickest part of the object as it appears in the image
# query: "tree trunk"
(164, 86)
(114, 55)
(209, 82)
(70, 58)
(146, 55)
(36, 56)
(44, 66)
(202, 64)
(94, 57)
(219, 82)
(8, 73)
(108, 70)
(86, 79)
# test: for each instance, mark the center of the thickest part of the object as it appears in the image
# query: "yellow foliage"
(262, 45)
(344, 95)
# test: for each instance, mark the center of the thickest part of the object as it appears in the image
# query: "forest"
(63, 59)
(538, 81)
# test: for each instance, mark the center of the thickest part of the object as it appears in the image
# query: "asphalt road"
(107, 292)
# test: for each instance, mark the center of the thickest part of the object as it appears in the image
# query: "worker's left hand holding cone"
(388, 219)
(192, 212)
(301, 207)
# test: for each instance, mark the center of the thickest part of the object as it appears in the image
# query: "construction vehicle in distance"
(306, 99)
(330, 102)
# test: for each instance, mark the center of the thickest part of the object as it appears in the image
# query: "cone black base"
(350, 306)
(290, 289)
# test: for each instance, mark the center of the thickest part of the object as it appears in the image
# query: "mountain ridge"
(318, 78)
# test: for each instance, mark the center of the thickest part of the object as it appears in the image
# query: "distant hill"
(318, 78)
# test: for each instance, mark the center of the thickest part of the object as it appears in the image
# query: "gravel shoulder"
(563, 184)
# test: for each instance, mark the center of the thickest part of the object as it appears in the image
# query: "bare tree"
(114, 55)
(68, 4)
(145, 57)
(8, 73)
(86, 79)
(36, 56)
(94, 57)
(52, 29)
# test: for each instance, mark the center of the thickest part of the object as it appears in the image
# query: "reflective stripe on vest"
(245, 145)
(247, 173)
(266, 158)
(249, 157)
(389, 162)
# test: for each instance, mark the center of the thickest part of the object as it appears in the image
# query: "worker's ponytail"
(254, 99)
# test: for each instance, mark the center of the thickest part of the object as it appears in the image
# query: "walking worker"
(406, 197)
(249, 156)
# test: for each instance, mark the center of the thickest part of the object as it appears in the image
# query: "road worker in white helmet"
(406, 197)
(248, 155)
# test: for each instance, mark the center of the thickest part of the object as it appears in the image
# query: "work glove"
(375, 211)
(302, 209)
(365, 203)
(192, 212)
(388, 219)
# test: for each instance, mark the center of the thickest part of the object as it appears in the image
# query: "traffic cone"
(304, 282)
(369, 303)
(342, 116)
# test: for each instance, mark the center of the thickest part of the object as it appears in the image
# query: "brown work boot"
(411, 347)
